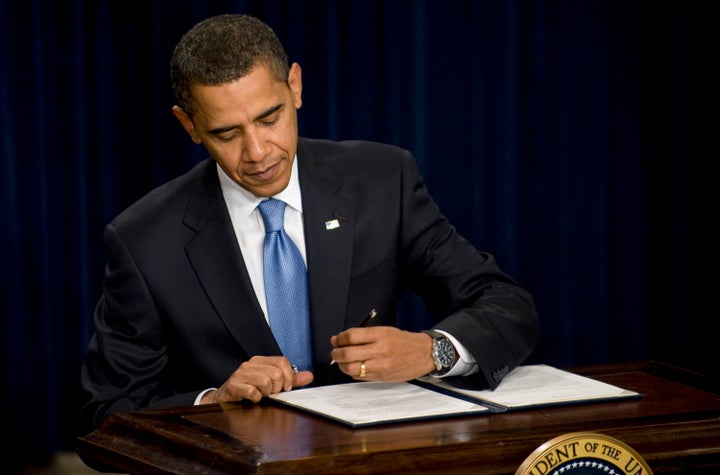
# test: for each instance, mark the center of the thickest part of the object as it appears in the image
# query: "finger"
(283, 380)
(267, 377)
(288, 372)
(250, 393)
(357, 369)
(355, 336)
(230, 392)
(354, 344)
(302, 378)
(352, 355)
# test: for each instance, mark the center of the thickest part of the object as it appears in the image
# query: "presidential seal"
(584, 453)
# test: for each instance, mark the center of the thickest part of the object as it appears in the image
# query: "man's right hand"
(256, 378)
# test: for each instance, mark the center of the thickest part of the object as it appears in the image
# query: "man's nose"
(256, 146)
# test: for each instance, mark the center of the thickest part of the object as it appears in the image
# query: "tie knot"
(273, 214)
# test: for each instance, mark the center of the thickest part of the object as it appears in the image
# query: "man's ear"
(187, 123)
(295, 83)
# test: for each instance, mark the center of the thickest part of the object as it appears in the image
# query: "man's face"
(249, 127)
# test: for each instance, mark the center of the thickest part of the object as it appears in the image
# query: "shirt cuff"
(200, 396)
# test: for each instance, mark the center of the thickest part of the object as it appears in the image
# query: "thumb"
(302, 378)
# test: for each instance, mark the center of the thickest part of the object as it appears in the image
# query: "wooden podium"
(675, 427)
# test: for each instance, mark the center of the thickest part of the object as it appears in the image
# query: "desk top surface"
(675, 426)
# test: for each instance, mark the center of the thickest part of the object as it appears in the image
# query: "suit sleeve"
(126, 356)
(463, 287)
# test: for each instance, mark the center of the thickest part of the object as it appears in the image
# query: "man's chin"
(266, 189)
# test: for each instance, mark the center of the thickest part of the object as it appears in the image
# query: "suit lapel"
(328, 222)
(216, 258)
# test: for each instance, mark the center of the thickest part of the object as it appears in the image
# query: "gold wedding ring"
(362, 369)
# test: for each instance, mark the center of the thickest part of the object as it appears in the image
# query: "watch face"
(445, 353)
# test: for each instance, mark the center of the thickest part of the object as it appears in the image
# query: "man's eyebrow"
(261, 116)
(269, 112)
(221, 130)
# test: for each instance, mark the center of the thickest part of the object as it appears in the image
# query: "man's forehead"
(239, 101)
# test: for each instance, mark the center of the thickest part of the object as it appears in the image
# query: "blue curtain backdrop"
(563, 136)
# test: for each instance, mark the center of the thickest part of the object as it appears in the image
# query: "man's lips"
(266, 174)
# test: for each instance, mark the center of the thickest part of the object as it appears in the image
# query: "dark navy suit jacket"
(178, 313)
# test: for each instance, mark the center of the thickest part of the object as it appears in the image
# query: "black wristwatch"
(443, 353)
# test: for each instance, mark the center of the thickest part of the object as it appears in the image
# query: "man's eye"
(270, 120)
(226, 137)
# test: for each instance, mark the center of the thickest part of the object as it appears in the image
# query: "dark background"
(570, 138)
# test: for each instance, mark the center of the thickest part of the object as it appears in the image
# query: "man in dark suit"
(183, 318)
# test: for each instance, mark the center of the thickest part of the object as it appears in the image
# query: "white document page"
(366, 403)
(534, 385)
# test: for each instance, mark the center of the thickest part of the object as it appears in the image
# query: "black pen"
(366, 321)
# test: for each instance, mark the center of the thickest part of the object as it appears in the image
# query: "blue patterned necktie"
(286, 288)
